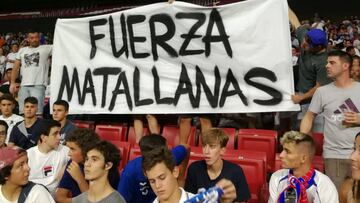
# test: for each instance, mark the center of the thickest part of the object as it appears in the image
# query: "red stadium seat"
(111, 132)
(84, 124)
(131, 138)
(124, 148)
(172, 134)
(255, 174)
(231, 133)
(319, 141)
(259, 140)
(252, 162)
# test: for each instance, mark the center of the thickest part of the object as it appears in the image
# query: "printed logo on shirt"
(48, 171)
(347, 105)
(32, 59)
(144, 188)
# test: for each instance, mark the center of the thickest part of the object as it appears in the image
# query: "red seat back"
(124, 148)
(259, 140)
(84, 124)
(319, 141)
(111, 132)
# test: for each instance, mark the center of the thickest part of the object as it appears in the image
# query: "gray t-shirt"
(332, 102)
(112, 198)
(311, 66)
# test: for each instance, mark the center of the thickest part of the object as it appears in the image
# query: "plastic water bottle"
(207, 196)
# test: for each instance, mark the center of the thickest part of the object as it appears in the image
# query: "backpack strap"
(25, 191)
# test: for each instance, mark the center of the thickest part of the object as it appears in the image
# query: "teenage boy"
(100, 166)
(205, 173)
(73, 182)
(7, 105)
(48, 159)
(26, 133)
(60, 112)
(14, 183)
(299, 181)
(160, 168)
(133, 185)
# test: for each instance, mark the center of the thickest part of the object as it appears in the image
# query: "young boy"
(25, 134)
(3, 132)
(60, 112)
(73, 182)
(48, 159)
(7, 105)
(14, 172)
(205, 173)
(100, 166)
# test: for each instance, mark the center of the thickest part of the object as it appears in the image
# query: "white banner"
(176, 58)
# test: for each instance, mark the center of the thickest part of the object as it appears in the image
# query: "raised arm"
(307, 122)
(293, 19)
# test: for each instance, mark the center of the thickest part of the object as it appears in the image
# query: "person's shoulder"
(17, 117)
(116, 197)
(62, 149)
(197, 165)
(32, 150)
(279, 174)
(80, 198)
(322, 179)
(133, 166)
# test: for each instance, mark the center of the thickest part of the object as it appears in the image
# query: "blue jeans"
(37, 91)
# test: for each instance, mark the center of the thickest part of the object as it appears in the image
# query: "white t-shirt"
(37, 194)
(34, 64)
(2, 64)
(44, 168)
(10, 56)
(323, 190)
(11, 121)
(184, 196)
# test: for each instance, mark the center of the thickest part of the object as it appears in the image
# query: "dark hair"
(149, 142)
(85, 138)
(3, 123)
(46, 126)
(4, 173)
(111, 154)
(344, 57)
(158, 155)
(31, 100)
(32, 31)
(349, 48)
(356, 57)
(8, 97)
(63, 103)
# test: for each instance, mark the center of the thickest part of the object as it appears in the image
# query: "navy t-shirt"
(26, 137)
(67, 182)
(134, 186)
(197, 177)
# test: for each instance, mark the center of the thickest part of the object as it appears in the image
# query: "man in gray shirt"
(339, 103)
(100, 167)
